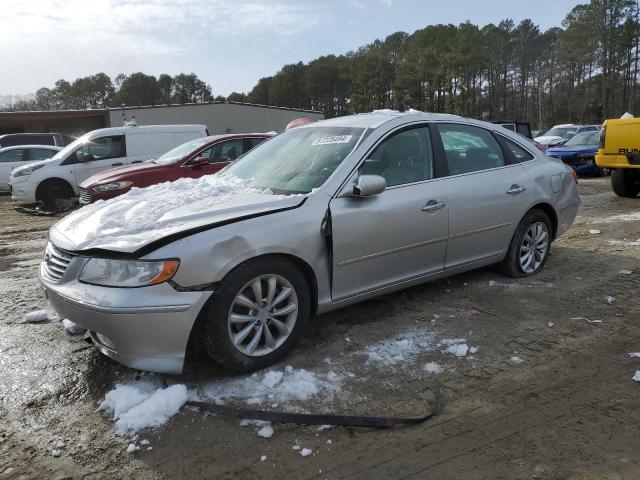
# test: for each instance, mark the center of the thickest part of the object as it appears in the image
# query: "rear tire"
(50, 192)
(228, 316)
(533, 236)
(625, 182)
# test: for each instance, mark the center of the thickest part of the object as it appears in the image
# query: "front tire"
(50, 192)
(625, 182)
(258, 313)
(529, 247)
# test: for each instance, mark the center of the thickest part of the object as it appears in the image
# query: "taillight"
(603, 134)
(574, 175)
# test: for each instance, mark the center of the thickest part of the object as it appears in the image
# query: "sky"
(230, 44)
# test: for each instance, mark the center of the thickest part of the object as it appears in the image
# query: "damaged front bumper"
(146, 328)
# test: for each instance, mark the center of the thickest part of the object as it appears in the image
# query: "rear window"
(26, 139)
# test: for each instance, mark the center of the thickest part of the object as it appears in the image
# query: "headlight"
(108, 187)
(26, 170)
(127, 273)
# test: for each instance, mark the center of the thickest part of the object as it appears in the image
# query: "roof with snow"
(378, 117)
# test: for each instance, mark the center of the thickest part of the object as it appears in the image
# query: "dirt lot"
(547, 394)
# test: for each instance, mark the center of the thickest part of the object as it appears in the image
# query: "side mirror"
(199, 162)
(368, 185)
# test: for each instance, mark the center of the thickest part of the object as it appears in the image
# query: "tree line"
(100, 91)
(584, 71)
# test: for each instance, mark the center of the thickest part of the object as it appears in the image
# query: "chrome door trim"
(392, 250)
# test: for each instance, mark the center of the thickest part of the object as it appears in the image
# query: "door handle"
(137, 161)
(433, 206)
(516, 190)
(116, 164)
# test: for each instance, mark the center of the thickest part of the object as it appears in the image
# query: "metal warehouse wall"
(218, 117)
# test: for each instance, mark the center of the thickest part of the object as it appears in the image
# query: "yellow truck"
(619, 150)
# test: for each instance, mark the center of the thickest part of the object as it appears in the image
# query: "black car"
(13, 139)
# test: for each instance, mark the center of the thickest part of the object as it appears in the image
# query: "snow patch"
(625, 243)
(141, 406)
(390, 352)
(73, 328)
(271, 379)
(636, 376)
(266, 431)
(432, 368)
(305, 452)
(516, 360)
(292, 384)
(37, 316)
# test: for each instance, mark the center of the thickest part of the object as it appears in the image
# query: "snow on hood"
(547, 140)
(143, 215)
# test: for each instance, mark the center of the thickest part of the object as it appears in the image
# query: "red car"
(193, 159)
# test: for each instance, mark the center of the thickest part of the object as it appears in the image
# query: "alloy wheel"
(534, 247)
(262, 315)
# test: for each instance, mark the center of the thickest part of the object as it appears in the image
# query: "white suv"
(58, 177)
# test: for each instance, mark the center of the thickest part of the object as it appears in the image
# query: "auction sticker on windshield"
(332, 140)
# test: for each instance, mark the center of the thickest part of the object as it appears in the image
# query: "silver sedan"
(319, 217)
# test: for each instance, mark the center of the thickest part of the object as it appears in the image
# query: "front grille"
(56, 262)
(85, 196)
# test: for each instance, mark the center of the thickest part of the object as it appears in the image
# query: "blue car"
(579, 153)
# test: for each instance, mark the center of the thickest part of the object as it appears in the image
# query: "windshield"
(584, 138)
(180, 151)
(564, 132)
(298, 160)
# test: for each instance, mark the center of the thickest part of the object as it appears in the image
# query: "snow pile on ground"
(162, 209)
(636, 376)
(142, 405)
(37, 316)
(275, 387)
(390, 352)
(516, 360)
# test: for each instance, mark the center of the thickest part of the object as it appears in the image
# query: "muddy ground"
(569, 410)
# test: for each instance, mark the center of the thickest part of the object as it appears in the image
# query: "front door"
(97, 155)
(399, 234)
(488, 192)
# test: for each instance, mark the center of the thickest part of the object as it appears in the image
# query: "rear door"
(488, 192)
(97, 155)
(399, 234)
(10, 159)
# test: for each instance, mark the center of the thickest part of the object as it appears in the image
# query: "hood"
(549, 140)
(142, 216)
(120, 173)
(565, 151)
(33, 164)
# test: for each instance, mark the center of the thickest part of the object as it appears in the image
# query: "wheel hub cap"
(534, 247)
(262, 315)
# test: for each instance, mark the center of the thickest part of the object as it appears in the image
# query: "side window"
(15, 155)
(227, 151)
(405, 157)
(469, 149)
(102, 149)
(518, 154)
(40, 153)
(254, 142)
(208, 153)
